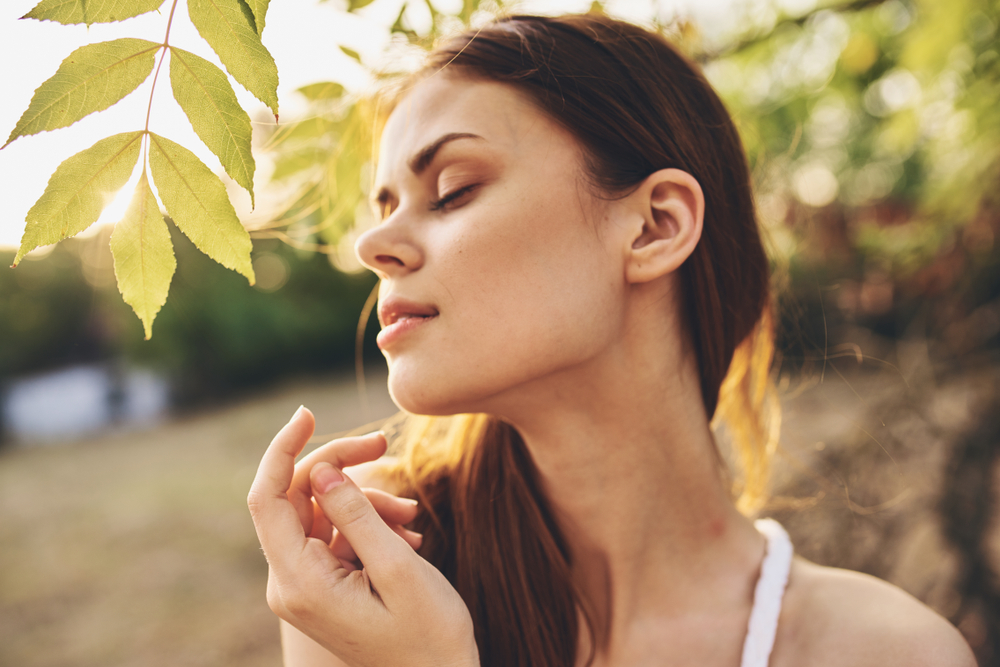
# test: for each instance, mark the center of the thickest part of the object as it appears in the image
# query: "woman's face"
(499, 269)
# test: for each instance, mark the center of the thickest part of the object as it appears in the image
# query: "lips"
(394, 309)
(399, 317)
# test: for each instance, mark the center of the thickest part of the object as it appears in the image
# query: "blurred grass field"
(137, 548)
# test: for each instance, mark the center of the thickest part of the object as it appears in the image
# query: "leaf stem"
(149, 109)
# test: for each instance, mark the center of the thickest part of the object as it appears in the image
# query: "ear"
(672, 208)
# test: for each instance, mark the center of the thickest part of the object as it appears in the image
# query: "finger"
(339, 453)
(275, 519)
(392, 509)
(380, 549)
(322, 529)
(343, 550)
(413, 538)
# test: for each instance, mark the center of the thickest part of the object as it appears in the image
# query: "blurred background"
(873, 130)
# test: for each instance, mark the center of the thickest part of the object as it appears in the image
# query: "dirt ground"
(136, 549)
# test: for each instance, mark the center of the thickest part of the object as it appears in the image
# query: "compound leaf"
(90, 79)
(229, 28)
(197, 202)
(144, 256)
(90, 11)
(78, 191)
(204, 93)
(259, 9)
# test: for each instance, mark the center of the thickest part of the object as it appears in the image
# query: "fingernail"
(297, 412)
(327, 478)
(411, 501)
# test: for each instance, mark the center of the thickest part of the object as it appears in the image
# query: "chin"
(428, 393)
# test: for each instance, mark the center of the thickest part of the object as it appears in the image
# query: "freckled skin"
(517, 269)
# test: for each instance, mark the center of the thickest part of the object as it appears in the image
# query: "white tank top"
(767, 595)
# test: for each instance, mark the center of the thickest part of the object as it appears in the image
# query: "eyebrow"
(423, 158)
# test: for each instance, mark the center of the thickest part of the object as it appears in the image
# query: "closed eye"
(441, 204)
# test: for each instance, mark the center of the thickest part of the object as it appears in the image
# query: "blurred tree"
(873, 127)
(217, 336)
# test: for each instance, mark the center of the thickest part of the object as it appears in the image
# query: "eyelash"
(440, 204)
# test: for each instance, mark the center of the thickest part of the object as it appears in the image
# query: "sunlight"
(114, 207)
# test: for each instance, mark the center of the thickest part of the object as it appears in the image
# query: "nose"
(388, 250)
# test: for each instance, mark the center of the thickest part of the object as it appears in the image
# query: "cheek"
(531, 291)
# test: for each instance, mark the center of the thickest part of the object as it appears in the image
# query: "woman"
(569, 260)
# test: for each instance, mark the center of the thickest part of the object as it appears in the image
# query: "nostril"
(387, 259)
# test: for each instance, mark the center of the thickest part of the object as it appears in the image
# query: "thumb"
(378, 547)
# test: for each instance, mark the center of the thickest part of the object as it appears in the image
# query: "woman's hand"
(398, 609)
(343, 452)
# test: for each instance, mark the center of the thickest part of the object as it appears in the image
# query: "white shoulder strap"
(767, 596)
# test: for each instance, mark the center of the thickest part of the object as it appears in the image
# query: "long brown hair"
(636, 105)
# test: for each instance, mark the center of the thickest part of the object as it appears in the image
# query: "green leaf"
(197, 202)
(90, 11)
(351, 52)
(230, 31)
(357, 4)
(92, 78)
(325, 90)
(144, 256)
(79, 190)
(259, 9)
(204, 93)
(292, 163)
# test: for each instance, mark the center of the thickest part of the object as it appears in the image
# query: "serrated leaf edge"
(274, 108)
(153, 139)
(85, 22)
(147, 326)
(62, 233)
(248, 169)
(14, 137)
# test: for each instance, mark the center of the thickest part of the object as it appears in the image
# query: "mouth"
(391, 313)
(395, 318)
(399, 316)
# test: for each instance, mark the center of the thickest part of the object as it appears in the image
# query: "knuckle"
(274, 599)
(255, 502)
(353, 509)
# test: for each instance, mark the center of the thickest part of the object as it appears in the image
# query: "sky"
(302, 35)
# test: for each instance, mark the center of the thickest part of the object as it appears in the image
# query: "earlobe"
(672, 207)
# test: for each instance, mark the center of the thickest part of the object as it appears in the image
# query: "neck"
(631, 468)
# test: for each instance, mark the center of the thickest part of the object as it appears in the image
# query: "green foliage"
(144, 256)
(878, 114)
(78, 191)
(229, 27)
(197, 202)
(351, 53)
(259, 9)
(97, 76)
(91, 79)
(212, 337)
(204, 93)
(324, 90)
(89, 11)
(852, 113)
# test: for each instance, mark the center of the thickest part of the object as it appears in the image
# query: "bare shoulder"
(378, 474)
(835, 618)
